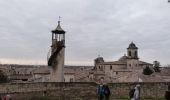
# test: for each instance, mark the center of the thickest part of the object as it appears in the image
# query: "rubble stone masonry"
(86, 90)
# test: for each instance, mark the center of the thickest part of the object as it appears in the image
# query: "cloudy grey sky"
(94, 27)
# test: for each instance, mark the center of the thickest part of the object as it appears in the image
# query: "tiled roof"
(144, 63)
(114, 63)
(123, 62)
(99, 73)
(69, 71)
(42, 70)
(151, 78)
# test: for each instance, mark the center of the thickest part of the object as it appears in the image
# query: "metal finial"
(59, 19)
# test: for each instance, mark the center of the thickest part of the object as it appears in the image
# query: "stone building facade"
(126, 65)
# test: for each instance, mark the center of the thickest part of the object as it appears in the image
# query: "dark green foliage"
(167, 95)
(147, 70)
(3, 77)
(156, 66)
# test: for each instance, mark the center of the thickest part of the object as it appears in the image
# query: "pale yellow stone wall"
(133, 64)
(57, 74)
(69, 78)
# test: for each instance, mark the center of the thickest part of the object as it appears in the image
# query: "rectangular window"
(110, 67)
(71, 79)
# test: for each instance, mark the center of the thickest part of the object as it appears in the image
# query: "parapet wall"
(84, 90)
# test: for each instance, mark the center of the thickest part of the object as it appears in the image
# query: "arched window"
(135, 53)
(129, 53)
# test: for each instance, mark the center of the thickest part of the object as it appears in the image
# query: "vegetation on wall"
(156, 66)
(147, 70)
(3, 77)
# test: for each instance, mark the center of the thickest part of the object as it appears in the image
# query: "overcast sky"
(94, 27)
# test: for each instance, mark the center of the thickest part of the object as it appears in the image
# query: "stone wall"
(87, 90)
(148, 90)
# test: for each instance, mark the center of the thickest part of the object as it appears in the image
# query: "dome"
(123, 58)
(132, 46)
(99, 60)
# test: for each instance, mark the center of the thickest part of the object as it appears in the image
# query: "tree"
(156, 66)
(147, 70)
(3, 77)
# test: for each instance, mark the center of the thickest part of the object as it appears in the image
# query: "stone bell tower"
(132, 51)
(56, 57)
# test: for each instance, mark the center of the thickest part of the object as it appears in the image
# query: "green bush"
(3, 77)
(147, 71)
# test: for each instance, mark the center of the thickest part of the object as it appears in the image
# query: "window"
(129, 65)
(102, 78)
(116, 73)
(129, 53)
(71, 79)
(136, 53)
(110, 67)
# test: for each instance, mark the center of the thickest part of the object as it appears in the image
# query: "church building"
(124, 65)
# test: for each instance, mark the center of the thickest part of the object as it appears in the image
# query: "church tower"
(56, 59)
(132, 56)
(132, 51)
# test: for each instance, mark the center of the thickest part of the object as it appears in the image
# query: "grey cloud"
(93, 27)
